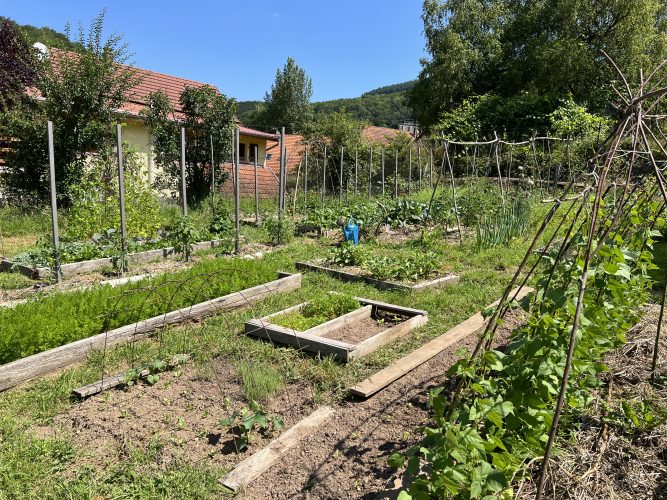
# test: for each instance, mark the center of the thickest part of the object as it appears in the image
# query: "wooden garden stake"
(382, 164)
(54, 205)
(212, 178)
(419, 164)
(305, 179)
(396, 176)
(410, 171)
(356, 170)
(340, 176)
(451, 176)
(324, 174)
(370, 174)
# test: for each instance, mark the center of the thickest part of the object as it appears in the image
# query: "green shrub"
(95, 204)
(348, 254)
(281, 230)
(184, 235)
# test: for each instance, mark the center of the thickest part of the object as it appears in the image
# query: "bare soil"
(360, 330)
(348, 457)
(176, 419)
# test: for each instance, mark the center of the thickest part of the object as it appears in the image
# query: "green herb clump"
(57, 319)
(317, 311)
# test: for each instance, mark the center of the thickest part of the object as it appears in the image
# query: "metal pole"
(281, 184)
(324, 174)
(237, 193)
(419, 164)
(396, 176)
(121, 198)
(340, 176)
(382, 163)
(256, 186)
(356, 170)
(370, 175)
(305, 179)
(430, 169)
(212, 178)
(54, 205)
(183, 195)
(410, 171)
(281, 177)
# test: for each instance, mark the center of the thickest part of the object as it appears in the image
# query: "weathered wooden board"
(301, 340)
(258, 463)
(42, 363)
(387, 336)
(396, 370)
(381, 284)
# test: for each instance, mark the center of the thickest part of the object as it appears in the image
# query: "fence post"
(54, 205)
(410, 171)
(212, 178)
(305, 179)
(382, 164)
(396, 176)
(356, 169)
(419, 164)
(340, 176)
(281, 188)
(370, 174)
(324, 174)
(121, 198)
(430, 168)
(237, 193)
(184, 198)
(256, 186)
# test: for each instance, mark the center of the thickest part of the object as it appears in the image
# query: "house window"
(253, 149)
(242, 152)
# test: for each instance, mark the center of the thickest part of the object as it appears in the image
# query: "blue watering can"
(351, 231)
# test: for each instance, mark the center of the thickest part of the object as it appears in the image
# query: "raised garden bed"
(39, 364)
(88, 266)
(349, 276)
(347, 337)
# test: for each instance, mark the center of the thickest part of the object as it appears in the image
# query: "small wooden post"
(500, 175)
(382, 164)
(54, 205)
(237, 194)
(324, 175)
(281, 193)
(281, 184)
(340, 175)
(396, 176)
(256, 186)
(410, 171)
(184, 198)
(370, 175)
(121, 198)
(212, 178)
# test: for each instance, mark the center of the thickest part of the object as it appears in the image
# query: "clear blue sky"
(346, 46)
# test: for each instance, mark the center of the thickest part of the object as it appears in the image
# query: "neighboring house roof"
(295, 150)
(382, 135)
(150, 81)
(258, 133)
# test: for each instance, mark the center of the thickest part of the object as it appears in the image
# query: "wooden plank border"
(396, 370)
(87, 266)
(314, 339)
(258, 463)
(45, 362)
(450, 279)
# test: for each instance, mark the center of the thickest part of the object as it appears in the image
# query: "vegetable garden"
(183, 377)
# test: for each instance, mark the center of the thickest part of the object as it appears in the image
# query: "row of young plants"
(409, 267)
(481, 444)
(56, 319)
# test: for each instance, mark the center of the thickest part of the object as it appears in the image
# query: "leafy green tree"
(548, 49)
(81, 94)
(208, 116)
(288, 103)
(18, 65)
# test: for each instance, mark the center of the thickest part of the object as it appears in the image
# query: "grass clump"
(317, 311)
(14, 281)
(260, 380)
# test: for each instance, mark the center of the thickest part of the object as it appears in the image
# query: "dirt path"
(348, 457)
